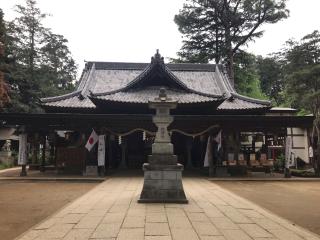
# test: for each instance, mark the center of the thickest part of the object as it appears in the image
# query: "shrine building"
(112, 99)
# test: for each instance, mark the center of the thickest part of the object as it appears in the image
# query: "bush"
(279, 163)
(303, 173)
(4, 166)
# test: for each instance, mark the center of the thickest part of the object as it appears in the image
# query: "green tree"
(4, 65)
(217, 29)
(28, 32)
(247, 80)
(43, 63)
(302, 81)
(271, 78)
(57, 65)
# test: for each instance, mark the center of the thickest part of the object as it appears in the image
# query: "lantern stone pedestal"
(162, 173)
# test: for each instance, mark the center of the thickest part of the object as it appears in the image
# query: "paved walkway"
(111, 211)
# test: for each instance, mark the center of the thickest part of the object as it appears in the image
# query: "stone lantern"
(162, 173)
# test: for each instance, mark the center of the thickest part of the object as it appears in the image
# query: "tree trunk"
(230, 67)
(32, 54)
(229, 55)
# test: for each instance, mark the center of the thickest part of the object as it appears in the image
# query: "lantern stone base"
(162, 184)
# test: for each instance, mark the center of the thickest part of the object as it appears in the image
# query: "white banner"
(288, 154)
(101, 150)
(23, 156)
(208, 156)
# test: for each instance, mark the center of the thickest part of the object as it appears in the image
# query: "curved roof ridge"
(101, 65)
(60, 97)
(121, 89)
(232, 92)
(79, 92)
(87, 82)
(143, 95)
(253, 100)
(145, 71)
(171, 89)
(223, 86)
(83, 78)
(157, 60)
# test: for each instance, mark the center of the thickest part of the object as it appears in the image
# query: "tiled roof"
(72, 102)
(113, 81)
(149, 94)
(141, 66)
(239, 104)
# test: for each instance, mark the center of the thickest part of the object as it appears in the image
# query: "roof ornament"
(81, 97)
(157, 58)
(162, 95)
(231, 98)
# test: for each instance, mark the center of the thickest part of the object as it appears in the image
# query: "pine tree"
(217, 29)
(43, 64)
(4, 97)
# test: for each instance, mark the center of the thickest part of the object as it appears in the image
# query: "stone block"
(152, 184)
(155, 174)
(162, 148)
(169, 175)
(171, 184)
(162, 159)
(157, 229)
(156, 217)
(91, 171)
(162, 190)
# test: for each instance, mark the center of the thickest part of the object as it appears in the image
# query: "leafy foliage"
(247, 80)
(301, 74)
(270, 74)
(43, 64)
(217, 29)
(4, 97)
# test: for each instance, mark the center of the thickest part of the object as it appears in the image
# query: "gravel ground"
(24, 204)
(296, 201)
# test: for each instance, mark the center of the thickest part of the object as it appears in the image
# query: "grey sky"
(127, 30)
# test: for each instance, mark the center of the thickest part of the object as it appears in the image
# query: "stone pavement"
(110, 211)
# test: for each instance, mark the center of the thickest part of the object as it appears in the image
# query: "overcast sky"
(131, 31)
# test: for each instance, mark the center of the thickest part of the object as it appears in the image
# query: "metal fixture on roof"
(157, 58)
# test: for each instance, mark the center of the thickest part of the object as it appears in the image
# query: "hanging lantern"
(120, 140)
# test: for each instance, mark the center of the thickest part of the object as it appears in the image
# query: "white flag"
(208, 156)
(288, 152)
(93, 139)
(22, 159)
(101, 150)
(217, 139)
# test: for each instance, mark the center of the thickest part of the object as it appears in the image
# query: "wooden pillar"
(189, 147)
(110, 150)
(43, 155)
(123, 164)
(237, 144)
(35, 148)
